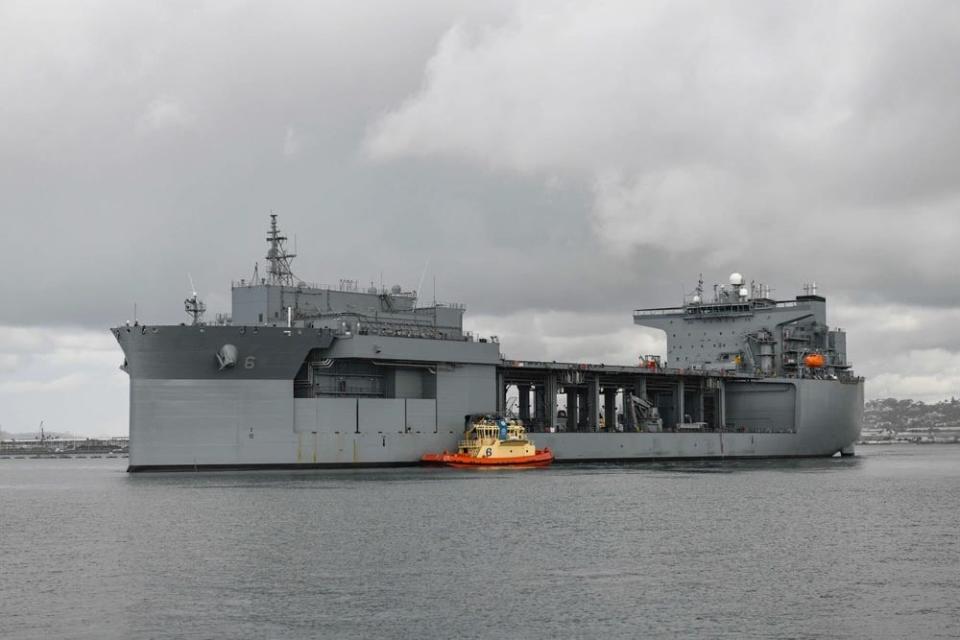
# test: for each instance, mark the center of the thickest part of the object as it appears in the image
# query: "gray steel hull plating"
(209, 424)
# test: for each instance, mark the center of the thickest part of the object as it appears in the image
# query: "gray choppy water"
(842, 548)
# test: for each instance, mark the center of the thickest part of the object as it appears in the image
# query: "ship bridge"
(744, 330)
(280, 298)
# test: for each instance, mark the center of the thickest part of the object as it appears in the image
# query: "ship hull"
(195, 424)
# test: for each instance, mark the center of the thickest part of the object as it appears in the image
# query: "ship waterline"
(310, 376)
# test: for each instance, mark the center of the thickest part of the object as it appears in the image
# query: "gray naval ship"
(304, 375)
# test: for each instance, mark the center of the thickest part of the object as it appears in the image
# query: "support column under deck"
(523, 407)
(610, 409)
(550, 402)
(593, 404)
(573, 409)
(501, 394)
(539, 405)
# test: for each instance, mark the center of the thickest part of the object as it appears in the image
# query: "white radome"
(736, 279)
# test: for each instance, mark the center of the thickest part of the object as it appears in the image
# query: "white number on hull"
(249, 362)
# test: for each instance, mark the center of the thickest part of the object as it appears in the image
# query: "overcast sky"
(558, 164)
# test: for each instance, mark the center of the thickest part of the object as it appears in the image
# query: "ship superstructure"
(303, 374)
(281, 298)
(743, 329)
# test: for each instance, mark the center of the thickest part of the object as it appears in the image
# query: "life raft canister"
(814, 361)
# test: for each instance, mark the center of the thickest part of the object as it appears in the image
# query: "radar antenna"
(193, 305)
(420, 283)
(278, 257)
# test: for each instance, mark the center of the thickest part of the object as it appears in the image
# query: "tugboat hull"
(539, 459)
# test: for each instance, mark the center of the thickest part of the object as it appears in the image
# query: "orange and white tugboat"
(493, 441)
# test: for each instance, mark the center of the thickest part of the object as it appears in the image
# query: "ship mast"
(278, 257)
(193, 305)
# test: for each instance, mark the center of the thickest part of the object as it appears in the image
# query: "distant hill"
(900, 415)
(35, 435)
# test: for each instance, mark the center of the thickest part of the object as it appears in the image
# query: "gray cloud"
(822, 136)
(558, 165)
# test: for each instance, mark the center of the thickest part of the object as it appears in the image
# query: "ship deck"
(682, 397)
